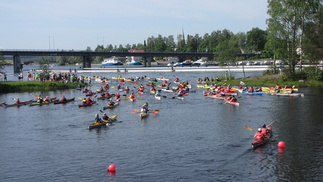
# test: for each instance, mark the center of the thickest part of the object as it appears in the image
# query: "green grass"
(266, 81)
(28, 86)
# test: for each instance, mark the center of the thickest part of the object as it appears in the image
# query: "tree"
(226, 51)
(313, 39)
(286, 23)
(2, 62)
(256, 39)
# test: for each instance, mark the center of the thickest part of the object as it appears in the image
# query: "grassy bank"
(31, 86)
(272, 80)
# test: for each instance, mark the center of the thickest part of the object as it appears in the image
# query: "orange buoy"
(112, 168)
(281, 144)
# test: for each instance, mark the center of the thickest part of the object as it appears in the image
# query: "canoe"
(104, 123)
(230, 102)
(63, 102)
(256, 143)
(143, 115)
(52, 100)
(20, 104)
(112, 106)
(87, 104)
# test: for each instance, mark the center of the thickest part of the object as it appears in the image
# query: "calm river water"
(195, 139)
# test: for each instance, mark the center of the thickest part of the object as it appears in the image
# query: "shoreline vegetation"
(259, 81)
(32, 86)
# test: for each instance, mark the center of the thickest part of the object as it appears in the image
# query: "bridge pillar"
(147, 61)
(86, 61)
(17, 67)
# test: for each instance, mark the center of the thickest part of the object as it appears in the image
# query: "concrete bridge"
(86, 55)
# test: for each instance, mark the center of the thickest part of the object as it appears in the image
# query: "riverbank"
(31, 86)
(272, 80)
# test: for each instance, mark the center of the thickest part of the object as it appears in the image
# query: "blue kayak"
(252, 93)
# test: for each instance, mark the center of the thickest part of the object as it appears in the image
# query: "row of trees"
(293, 35)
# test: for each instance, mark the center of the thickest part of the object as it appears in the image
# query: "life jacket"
(264, 131)
(259, 136)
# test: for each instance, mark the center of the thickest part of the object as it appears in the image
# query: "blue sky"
(76, 24)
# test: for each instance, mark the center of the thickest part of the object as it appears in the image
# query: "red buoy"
(281, 144)
(112, 168)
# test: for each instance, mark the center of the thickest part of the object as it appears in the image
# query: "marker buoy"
(281, 144)
(112, 168)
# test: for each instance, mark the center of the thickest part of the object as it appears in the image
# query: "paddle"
(248, 128)
(156, 110)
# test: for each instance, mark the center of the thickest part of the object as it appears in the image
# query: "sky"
(78, 24)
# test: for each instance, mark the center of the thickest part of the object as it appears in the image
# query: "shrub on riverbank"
(30, 86)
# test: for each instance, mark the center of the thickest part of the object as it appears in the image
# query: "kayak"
(90, 94)
(158, 96)
(230, 102)
(165, 90)
(112, 106)
(287, 94)
(63, 102)
(257, 143)
(181, 97)
(229, 93)
(20, 104)
(104, 123)
(212, 95)
(252, 93)
(143, 115)
(87, 104)
(52, 100)
(104, 97)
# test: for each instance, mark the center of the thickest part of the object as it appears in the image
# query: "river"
(195, 139)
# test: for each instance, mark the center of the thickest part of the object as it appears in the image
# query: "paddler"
(111, 103)
(251, 90)
(117, 96)
(84, 101)
(233, 99)
(259, 136)
(97, 119)
(46, 99)
(89, 100)
(39, 100)
(17, 101)
(264, 130)
(63, 99)
(105, 116)
(132, 96)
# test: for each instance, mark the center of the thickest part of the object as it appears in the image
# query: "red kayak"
(20, 104)
(232, 102)
(90, 94)
(63, 102)
(87, 104)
